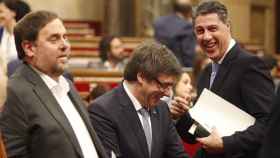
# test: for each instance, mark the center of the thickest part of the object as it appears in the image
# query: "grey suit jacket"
(117, 124)
(34, 125)
(244, 80)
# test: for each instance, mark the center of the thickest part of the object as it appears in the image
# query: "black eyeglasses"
(163, 85)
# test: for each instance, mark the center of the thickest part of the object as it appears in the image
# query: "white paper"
(211, 111)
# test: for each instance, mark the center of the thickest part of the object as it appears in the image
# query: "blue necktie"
(215, 68)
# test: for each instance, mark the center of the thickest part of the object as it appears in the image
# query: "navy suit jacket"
(177, 34)
(117, 124)
(244, 80)
(34, 125)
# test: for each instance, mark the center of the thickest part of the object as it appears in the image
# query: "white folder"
(211, 111)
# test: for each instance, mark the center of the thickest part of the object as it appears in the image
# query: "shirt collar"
(62, 83)
(135, 102)
(231, 44)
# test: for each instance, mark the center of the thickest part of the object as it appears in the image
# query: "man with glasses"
(131, 120)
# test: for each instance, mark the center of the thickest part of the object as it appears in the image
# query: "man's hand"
(213, 143)
(179, 106)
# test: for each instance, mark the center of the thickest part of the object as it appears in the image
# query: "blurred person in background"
(11, 11)
(111, 53)
(182, 92)
(176, 32)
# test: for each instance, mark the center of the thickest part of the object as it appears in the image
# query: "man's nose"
(190, 86)
(167, 91)
(207, 35)
(65, 45)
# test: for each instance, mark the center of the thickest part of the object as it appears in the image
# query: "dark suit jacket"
(177, 34)
(271, 145)
(243, 80)
(117, 124)
(34, 125)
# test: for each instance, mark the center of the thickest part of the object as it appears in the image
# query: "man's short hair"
(152, 59)
(208, 7)
(28, 28)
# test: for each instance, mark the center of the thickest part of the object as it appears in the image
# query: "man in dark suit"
(271, 144)
(235, 75)
(118, 115)
(176, 32)
(44, 115)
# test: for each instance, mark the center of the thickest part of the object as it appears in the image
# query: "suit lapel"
(133, 123)
(78, 103)
(220, 77)
(48, 100)
(155, 121)
(224, 69)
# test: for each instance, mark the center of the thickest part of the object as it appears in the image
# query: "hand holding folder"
(211, 111)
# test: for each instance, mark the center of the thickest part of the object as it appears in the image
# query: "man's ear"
(28, 48)
(140, 77)
(228, 24)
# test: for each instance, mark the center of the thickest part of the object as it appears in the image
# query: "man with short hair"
(131, 120)
(176, 32)
(44, 115)
(237, 76)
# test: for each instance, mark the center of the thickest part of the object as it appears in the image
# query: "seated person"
(111, 54)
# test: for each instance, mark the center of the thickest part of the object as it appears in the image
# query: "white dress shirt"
(231, 44)
(8, 46)
(60, 91)
(136, 104)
